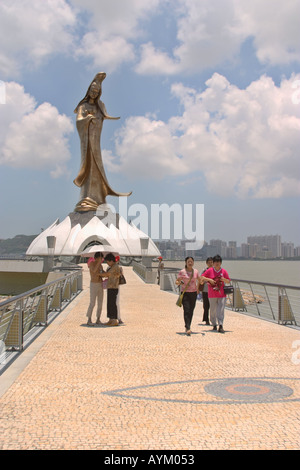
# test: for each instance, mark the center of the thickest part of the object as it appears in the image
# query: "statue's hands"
(93, 120)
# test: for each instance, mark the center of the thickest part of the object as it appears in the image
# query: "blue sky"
(208, 92)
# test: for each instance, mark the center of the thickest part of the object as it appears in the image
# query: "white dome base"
(82, 229)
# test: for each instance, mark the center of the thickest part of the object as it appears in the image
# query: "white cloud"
(109, 52)
(212, 32)
(274, 26)
(103, 32)
(112, 29)
(31, 136)
(31, 30)
(147, 149)
(155, 62)
(245, 142)
(111, 33)
(117, 16)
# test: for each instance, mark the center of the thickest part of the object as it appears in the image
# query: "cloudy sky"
(208, 94)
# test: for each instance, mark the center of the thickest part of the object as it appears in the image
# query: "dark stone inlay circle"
(248, 390)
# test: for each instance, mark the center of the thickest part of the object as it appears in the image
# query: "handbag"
(228, 290)
(122, 279)
(201, 287)
(179, 300)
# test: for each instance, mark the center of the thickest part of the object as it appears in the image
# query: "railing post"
(66, 294)
(285, 313)
(56, 299)
(238, 301)
(79, 280)
(14, 337)
(41, 310)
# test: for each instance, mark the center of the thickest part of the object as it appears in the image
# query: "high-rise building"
(231, 250)
(267, 242)
(219, 247)
(297, 251)
(287, 250)
(249, 251)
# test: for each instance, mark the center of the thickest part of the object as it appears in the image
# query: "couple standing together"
(98, 275)
(190, 281)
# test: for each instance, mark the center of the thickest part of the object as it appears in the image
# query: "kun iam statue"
(91, 178)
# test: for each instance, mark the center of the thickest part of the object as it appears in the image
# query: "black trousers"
(112, 310)
(188, 302)
(205, 306)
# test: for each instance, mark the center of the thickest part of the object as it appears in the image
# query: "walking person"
(205, 299)
(112, 289)
(216, 276)
(96, 289)
(188, 279)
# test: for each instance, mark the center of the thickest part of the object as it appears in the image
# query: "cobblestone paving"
(146, 385)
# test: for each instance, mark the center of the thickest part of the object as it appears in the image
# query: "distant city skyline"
(238, 244)
(256, 247)
(183, 240)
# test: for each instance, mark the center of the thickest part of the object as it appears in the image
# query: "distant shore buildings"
(257, 247)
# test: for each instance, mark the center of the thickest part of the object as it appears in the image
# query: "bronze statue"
(91, 178)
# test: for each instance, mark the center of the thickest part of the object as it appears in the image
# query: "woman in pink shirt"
(188, 278)
(216, 277)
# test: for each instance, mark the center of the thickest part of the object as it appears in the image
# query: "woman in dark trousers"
(188, 279)
(112, 289)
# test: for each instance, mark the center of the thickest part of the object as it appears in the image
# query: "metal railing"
(274, 302)
(148, 274)
(19, 315)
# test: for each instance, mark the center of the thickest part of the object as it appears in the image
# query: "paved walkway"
(146, 385)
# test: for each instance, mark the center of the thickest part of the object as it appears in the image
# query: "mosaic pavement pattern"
(221, 391)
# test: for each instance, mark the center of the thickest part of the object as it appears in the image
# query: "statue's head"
(95, 89)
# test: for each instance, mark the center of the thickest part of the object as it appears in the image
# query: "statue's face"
(94, 91)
